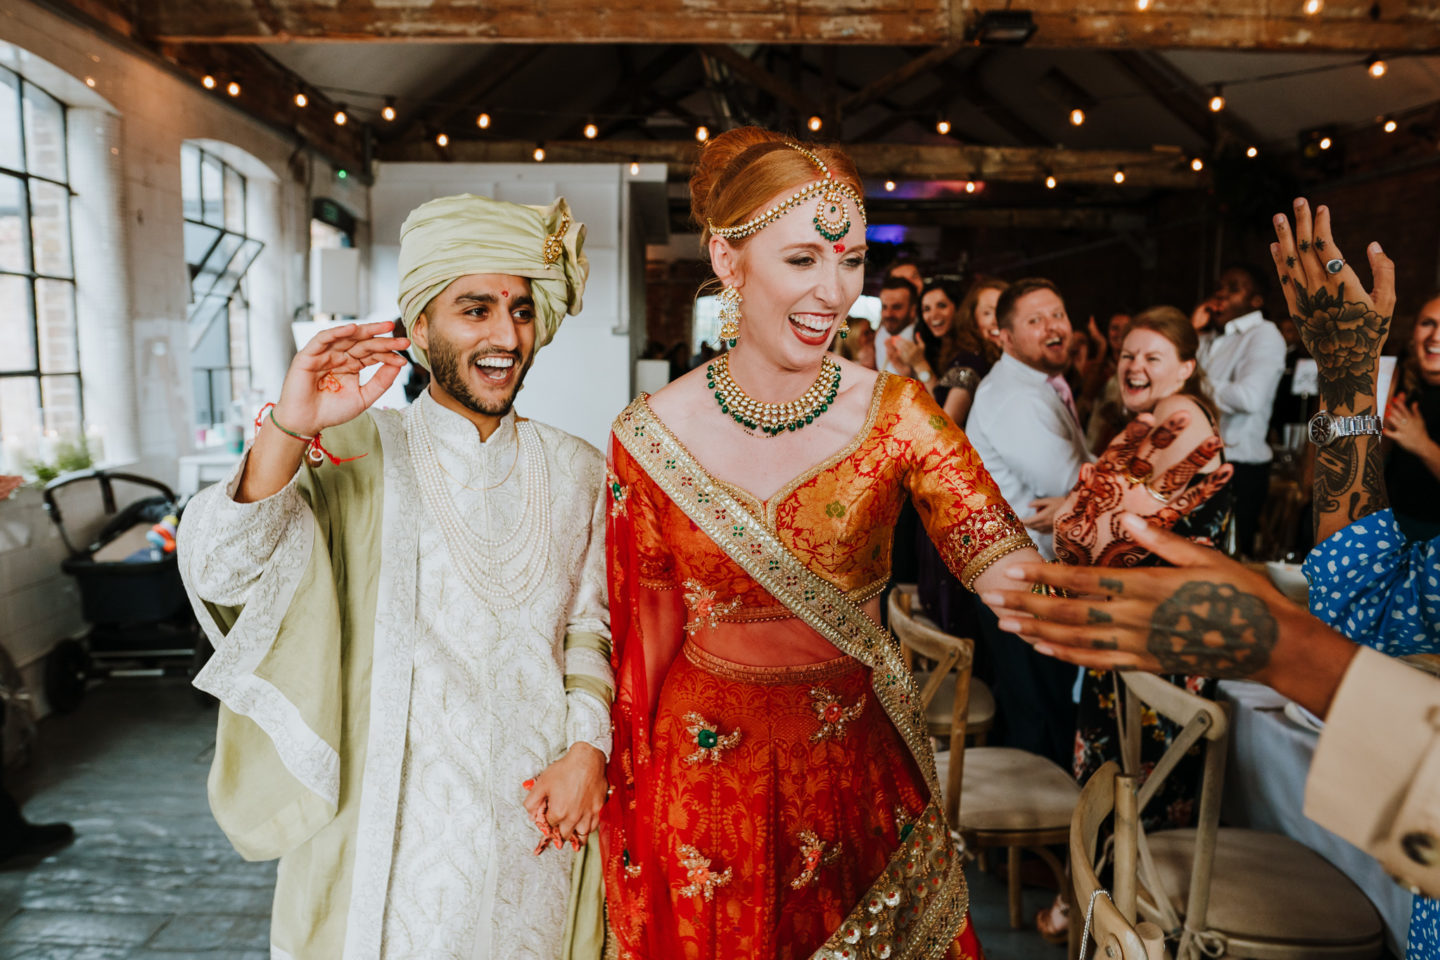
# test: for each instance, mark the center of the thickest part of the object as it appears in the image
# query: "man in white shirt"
(1244, 359)
(1024, 426)
(898, 302)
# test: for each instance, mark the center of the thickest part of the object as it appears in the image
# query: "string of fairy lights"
(1374, 66)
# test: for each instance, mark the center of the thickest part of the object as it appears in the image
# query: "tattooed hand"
(1206, 615)
(1125, 481)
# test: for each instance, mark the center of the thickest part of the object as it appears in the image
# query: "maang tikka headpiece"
(832, 220)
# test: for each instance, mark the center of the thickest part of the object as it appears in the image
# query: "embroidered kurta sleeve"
(958, 501)
(589, 678)
(240, 539)
(1378, 588)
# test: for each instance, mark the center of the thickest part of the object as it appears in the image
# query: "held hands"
(1341, 325)
(567, 797)
(1135, 475)
(322, 387)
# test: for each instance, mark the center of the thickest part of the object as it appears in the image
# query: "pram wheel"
(67, 669)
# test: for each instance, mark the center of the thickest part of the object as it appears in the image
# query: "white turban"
(453, 237)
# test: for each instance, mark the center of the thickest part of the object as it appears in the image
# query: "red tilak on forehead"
(839, 248)
(505, 294)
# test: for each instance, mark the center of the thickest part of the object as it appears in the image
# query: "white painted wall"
(583, 378)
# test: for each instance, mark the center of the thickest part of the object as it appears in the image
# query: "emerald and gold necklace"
(772, 418)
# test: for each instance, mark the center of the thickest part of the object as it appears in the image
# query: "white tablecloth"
(1265, 790)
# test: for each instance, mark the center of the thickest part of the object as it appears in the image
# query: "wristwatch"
(1325, 429)
(924, 376)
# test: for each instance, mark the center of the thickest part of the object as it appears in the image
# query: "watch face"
(1320, 429)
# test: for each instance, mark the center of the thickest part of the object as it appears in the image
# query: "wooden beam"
(917, 65)
(1165, 169)
(1343, 25)
(470, 88)
(757, 76)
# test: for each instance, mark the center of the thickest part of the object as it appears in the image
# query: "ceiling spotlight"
(388, 111)
(232, 88)
(1050, 181)
(442, 139)
(483, 121)
(1326, 143)
(341, 117)
(889, 186)
(1252, 153)
(1376, 67)
(300, 99)
(591, 131)
(634, 168)
(815, 123)
(1005, 27)
(1197, 164)
(1119, 174)
(208, 82)
(942, 127)
(1217, 101)
(1077, 116)
(702, 133)
(1313, 7)
(1391, 126)
(539, 153)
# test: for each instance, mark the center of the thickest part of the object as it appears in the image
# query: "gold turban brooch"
(453, 237)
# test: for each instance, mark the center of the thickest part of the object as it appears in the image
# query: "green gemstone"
(707, 739)
(809, 418)
(724, 409)
(905, 831)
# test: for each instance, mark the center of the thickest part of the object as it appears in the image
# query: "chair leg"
(1077, 921)
(1012, 861)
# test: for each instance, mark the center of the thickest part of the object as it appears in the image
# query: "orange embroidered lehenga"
(774, 788)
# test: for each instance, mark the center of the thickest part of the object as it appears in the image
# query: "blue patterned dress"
(1383, 591)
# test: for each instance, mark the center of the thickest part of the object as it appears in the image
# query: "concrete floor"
(150, 876)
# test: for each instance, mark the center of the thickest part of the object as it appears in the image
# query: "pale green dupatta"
(919, 904)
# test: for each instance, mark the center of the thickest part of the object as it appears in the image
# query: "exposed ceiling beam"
(1143, 168)
(917, 65)
(968, 84)
(470, 88)
(757, 76)
(1186, 101)
(626, 94)
(1402, 25)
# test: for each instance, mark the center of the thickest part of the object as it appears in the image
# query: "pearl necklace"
(503, 572)
(772, 418)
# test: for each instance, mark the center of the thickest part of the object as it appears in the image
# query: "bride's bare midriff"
(772, 643)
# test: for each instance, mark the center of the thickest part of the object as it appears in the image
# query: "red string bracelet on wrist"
(314, 452)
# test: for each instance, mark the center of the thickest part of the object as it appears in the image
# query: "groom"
(409, 616)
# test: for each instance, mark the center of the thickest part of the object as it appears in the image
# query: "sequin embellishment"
(814, 854)
(705, 609)
(709, 742)
(703, 880)
(832, 714)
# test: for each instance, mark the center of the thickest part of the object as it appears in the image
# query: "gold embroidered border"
(934, 905)
(983, 560)
(768, 676)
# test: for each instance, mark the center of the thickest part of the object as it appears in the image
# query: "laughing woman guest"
(774, 788)
(1412, 422)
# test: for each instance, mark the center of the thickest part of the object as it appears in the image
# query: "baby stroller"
(141, 623)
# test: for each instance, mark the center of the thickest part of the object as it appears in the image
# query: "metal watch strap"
(1357, 426)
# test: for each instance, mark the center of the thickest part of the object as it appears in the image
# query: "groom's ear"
(420, 331)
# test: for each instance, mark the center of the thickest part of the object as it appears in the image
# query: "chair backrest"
(1112, 916)
(1199, 719)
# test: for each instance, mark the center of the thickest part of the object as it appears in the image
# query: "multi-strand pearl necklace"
(772, 418)
(502, 571)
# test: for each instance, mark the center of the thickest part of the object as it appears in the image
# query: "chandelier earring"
(730, 301)
(844, 328)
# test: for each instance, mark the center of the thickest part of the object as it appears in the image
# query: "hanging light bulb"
(1077, 117)
(1313, 7)
(388, 111)
(301, 100)
(634, 168)
(1252, 153)
(1050, 181)
(1142, 5)
(591, 131)
(483, 121)
(1326, 143)
(1119, 174)
(233, 88)
(90, 82)
(539, 153)
(442, 139)
(702, 133)
(1197, 164)
(889, 186)
(969, 186)
(208, 82)
(1376, 67)
(1217, 101)
(815, 123)
(1391, 126)
(942, 127)
(341, 117)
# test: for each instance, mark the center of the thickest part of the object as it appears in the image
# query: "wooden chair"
(1011, 798)
(1111, 912)
(1233, 892)
(940, 706)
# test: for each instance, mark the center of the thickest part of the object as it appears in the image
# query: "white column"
(272, 345)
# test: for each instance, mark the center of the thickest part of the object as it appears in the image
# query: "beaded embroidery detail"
(618, 493)
(814, 854)
(832, 714)
(705, 609)
(703, 880)
(709, 742)
(831, 220)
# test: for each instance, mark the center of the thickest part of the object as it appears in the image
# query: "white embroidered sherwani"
(380, 717)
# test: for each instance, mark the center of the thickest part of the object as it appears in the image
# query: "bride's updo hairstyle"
(741, 170)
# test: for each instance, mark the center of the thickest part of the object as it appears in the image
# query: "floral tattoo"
(1344, 338)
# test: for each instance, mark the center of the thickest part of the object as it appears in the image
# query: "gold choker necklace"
(772, 418)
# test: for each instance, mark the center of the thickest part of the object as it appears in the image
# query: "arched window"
(218, 252)
(40, 390)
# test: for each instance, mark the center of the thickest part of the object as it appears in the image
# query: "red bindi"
(505, 294)
(839, 248)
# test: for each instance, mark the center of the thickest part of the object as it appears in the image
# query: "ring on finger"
(1334, 266)
(1156, 495)
(1135, 480)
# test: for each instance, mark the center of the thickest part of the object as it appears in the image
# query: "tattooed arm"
(1344, 329)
